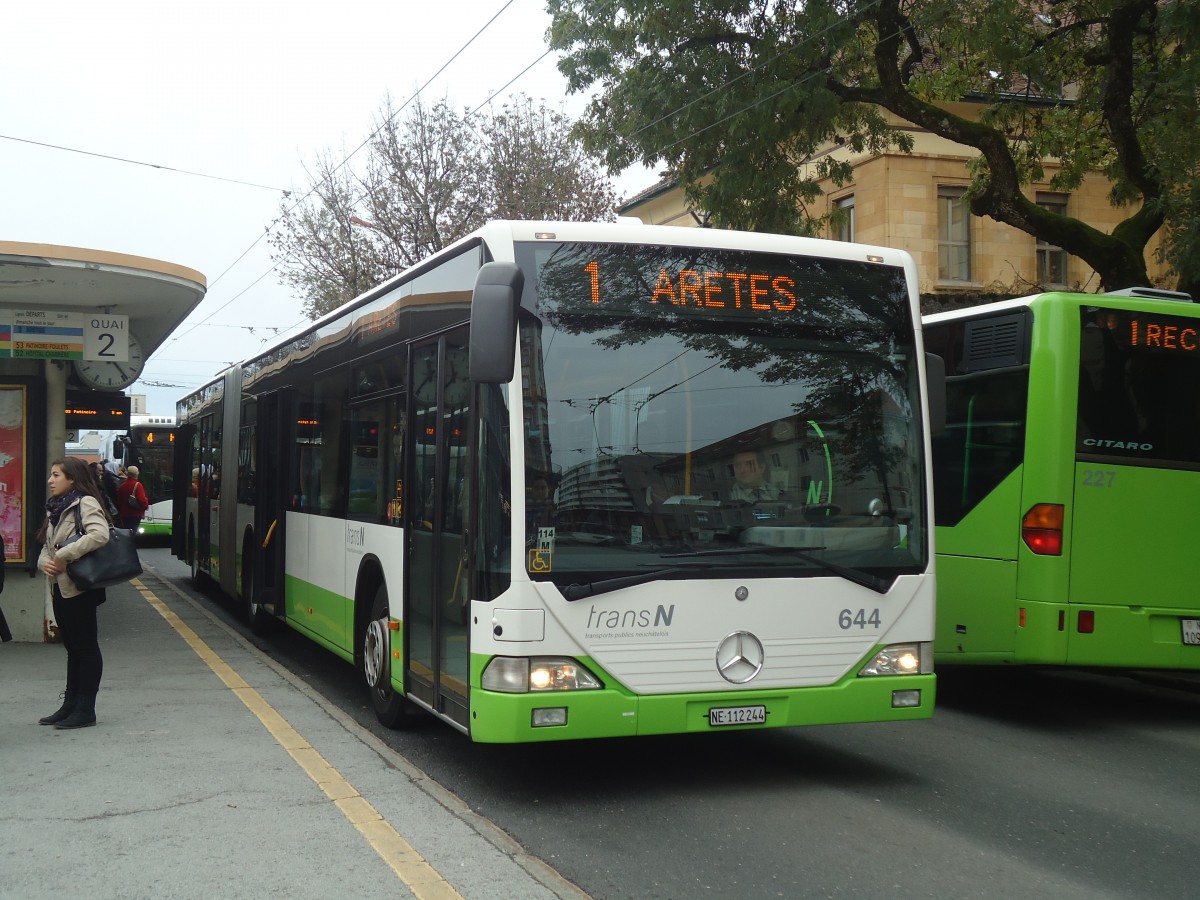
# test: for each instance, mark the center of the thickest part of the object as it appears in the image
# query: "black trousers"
(76, 618)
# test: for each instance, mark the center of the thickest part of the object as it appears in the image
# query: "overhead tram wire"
(137, 162)
(506, 85)
(334, 171)
(494, 94)
(728, 84)
(283, 191)
(862, 54)
(352, 153)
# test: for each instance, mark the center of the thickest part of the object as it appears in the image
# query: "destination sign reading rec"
(1151, 333)
(1159, 333)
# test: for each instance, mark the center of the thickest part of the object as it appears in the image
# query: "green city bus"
(1066, 481)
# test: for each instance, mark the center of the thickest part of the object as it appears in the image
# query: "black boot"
(83, 714)
(68, 698)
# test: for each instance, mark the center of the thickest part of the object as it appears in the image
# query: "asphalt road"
(1025, 784)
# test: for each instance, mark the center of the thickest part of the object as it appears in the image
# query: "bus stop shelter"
(76, 326)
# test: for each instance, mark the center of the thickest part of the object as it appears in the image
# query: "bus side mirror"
(494, 305)
(935, 379)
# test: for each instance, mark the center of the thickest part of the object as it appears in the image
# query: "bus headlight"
(538, 674)
(900, 659)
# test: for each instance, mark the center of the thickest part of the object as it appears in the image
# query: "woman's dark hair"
(84, 480)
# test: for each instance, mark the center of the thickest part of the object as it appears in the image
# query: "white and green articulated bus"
(576, 480)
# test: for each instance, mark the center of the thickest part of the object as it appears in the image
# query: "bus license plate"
(737, 715)
(1191, 631)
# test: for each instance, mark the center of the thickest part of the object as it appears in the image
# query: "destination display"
(713, 290)
(97, 409)
(1137, 372)
(1150, 332)
(697, 284)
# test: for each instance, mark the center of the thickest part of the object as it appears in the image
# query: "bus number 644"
(848, 618)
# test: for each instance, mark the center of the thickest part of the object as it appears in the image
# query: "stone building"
(914, 201)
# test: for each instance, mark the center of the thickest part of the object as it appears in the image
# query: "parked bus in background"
(1066, 481)
(149, 444)
(586, 480)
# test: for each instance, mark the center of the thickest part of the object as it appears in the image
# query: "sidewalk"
(183, 790)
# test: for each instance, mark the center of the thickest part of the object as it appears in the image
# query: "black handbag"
(114, 563)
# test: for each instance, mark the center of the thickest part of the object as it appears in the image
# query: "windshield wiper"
(580, 591)
(573, 592)
(855, 576)
(740, 551)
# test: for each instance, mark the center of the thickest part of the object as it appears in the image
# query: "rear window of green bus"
(1139, 388)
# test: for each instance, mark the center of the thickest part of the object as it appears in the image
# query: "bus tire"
(193, 558)
(259, 620)
(391, 709)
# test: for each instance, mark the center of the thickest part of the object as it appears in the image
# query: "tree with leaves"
(432, 175)
(735, 95)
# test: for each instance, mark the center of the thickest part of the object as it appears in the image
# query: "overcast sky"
(248, 92)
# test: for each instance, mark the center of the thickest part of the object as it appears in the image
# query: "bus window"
(376, 435)
(320, 440)
(983, 443)
(247, 445)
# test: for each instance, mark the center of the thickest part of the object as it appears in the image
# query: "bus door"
(185, 439)
(435, 603)
(269, 467)
(205, 479)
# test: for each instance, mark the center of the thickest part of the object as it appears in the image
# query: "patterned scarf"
(56, 505)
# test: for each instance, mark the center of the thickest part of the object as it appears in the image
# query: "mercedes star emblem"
(740, 657)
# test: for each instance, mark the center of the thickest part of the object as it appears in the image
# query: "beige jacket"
(95, 534)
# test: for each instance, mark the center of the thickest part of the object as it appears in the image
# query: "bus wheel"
(391, 709)
(193, 558)
(257, 618)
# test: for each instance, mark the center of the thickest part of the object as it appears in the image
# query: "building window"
(843, 228)
(1051, 260)
(954, 234)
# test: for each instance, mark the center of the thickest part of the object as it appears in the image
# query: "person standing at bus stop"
(108, 490)
(72, 487)
(131, 500)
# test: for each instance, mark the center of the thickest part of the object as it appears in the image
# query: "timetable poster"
(12, 470)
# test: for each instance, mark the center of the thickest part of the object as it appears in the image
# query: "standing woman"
(72, 485)
(131, 500)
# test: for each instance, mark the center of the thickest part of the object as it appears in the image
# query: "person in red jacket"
(131, 500)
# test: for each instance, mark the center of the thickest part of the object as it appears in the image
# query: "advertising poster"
(12, 470)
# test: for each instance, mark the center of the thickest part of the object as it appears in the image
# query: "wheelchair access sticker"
(541, 557)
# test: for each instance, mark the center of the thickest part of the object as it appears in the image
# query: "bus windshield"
(153, 451)
(150, 445)
(687, 407)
